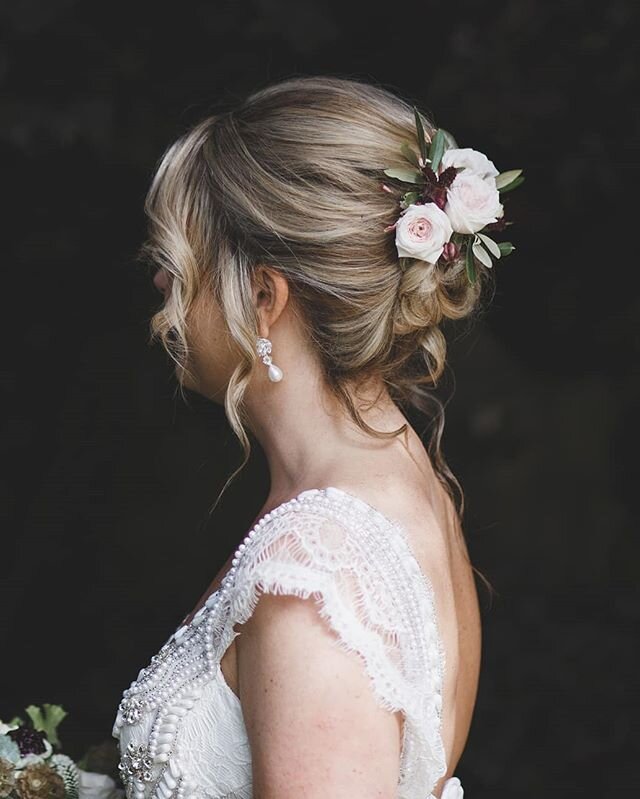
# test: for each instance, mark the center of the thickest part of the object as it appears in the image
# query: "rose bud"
(450, 251)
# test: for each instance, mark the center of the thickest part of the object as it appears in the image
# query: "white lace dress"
(180, 726)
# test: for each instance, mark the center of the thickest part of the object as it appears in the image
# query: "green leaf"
(450, 142)
(405, 174)
(490, 245)
(469, 262)
(409, 197)
(436, 150)
(422, 141)
(482, 255)
(409, 153)
(48, 721)
(36, 716)
(505, 178)
(506, 247)
(513, 185)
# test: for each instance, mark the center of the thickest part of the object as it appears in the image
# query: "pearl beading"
(173, 705)
(174, 679)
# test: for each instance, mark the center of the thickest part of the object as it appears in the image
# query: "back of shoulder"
(321, 530)
(311, 542)
(330, 543)
(365, 599)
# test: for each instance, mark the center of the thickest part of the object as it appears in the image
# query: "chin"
(192, 382)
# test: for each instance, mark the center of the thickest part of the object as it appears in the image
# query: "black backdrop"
(108, 477)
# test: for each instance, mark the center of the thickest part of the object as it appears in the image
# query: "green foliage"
(422, 141)
(409, 153)
(469, 262)
(47, 721)
(505, 178)
(490, 244)
(513, 185)
(481, 254)
(405, 174)
(436, 151)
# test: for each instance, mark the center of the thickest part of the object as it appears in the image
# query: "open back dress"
(180, 726)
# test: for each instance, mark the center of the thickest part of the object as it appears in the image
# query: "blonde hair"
(292, 177)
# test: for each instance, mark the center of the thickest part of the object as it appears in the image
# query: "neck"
(308, 438)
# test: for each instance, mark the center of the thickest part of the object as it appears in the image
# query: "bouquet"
(33, 767)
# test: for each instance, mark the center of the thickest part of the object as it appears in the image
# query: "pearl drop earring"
(263, 349)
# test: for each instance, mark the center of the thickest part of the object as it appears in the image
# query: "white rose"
(422, 231)
(96, 786)
(5, 728)
(473, 161)
(472, 203)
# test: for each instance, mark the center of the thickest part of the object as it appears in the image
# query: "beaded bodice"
(180, 726)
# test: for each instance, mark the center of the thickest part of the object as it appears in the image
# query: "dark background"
(108, 476)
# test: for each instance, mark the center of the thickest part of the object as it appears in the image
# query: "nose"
(161, 281)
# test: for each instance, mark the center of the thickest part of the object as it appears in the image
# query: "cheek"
(209, 339)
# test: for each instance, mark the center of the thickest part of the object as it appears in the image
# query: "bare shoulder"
(314, 726)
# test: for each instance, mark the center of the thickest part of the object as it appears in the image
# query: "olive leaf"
(422, 141)
(409, 198)
(409, 153)
(506, 247)
(405, 174)
(469, 262)
(436, 150)
(490, 244)
(513, 185)
(505, 178)
(449, 141)
(482, 255)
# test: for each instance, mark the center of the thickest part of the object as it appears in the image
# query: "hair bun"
(429, 293)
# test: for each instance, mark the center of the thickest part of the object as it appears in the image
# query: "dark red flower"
(435, 188)
(29, 741)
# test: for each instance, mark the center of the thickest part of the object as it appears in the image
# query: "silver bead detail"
(135, 764)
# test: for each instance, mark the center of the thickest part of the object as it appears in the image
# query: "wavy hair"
(291, 176)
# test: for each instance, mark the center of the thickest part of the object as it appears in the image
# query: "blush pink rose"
(422, 231)
(472, 203)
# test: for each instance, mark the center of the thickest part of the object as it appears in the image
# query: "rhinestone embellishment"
(135, 763)
(263, 348)
(131, 710)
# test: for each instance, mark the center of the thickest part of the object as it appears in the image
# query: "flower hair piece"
(455, 203)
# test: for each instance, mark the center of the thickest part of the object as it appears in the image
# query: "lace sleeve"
(370, 591)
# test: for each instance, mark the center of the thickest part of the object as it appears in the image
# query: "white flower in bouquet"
(422, 232)
(458, 183)
(9, 750)
(97, 786)
(473, 161)
(472, 203)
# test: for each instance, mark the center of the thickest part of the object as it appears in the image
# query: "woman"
(337, 652)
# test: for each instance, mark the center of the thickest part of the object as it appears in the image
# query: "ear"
(270, 295)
